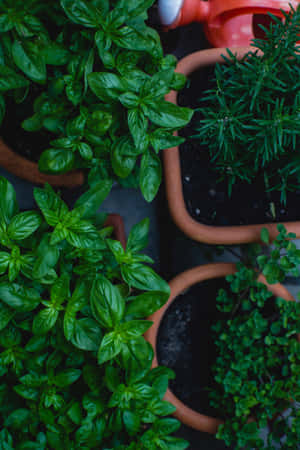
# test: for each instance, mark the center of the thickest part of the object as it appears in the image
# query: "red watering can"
(227, 23)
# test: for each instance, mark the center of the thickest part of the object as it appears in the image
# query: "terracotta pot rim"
(28, 170)
(174, 191)
(178, 285)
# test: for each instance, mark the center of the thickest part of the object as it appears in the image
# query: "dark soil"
(206, 197)
(186, 344)
(25, 143)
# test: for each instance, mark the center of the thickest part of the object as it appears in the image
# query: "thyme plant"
(258, 364)
(250, 118)
(75, 368)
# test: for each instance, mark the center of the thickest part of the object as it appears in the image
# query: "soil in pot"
(27, 144)
(206, 197)
(186, 344)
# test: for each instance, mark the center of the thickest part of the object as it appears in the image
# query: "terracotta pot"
(29, 171)
(116, 221)
(204, 233)
(178, 285)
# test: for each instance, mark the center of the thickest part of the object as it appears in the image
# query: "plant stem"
(272, 205)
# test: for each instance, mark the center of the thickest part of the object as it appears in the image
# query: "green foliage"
(101, 77)
(250, 118)
(75, 368)
(258, 363)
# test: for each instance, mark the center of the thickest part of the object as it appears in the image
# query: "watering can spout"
(173, 12)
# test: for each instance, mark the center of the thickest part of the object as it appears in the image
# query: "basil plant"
(95, 77)
(75, 367)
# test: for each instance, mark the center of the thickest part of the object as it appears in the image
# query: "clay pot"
(29, 171)
(199, 232)
(178, 285)
(116, 221)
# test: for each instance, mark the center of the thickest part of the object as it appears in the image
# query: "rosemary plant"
(250, 119)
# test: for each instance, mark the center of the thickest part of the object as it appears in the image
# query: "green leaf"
(138, 236)
(162, 139)
(18, 297)
(8, 201)
(106, 86)
(56, 160)
(9, 79)
(55, 54)
(23, 225)
(67, 377)
(4, 261)
(18, 419)
(132, 422)
(150, 175)
(87, 334)
(134, 328)
(51, 205)
(44, 321)
(103, 42)
(81, 12)
(145, 304)
(29, 59)
(2, 108)
(27, 392)
(138, 124)
(46, 257)
(110, 347)
(90, 201)
(107, 303)
(167, 115)
(123, 157)
(6, 314)
(265, 236)
(144, 278)
(85, 151)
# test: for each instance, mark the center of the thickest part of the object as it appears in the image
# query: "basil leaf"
(8, 201)
(9, 79)
(103, 43)
(145, 304)
(90, 201)
(23, 225)
(56, 160)
(144, 278)
(46, 257)
(138, 236)
(29, 59)
(167, 115)
(138, 125)
(18, 297)
(123, 157)
(134, 328)
(6, 314)
(87, 334)
(44, 321)
(67, 377)
(107, 303)
(106, 86)
(4, 261)
(110, 347)
(150, 175)
(52, 207)
(55, 54)
(81, 12)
